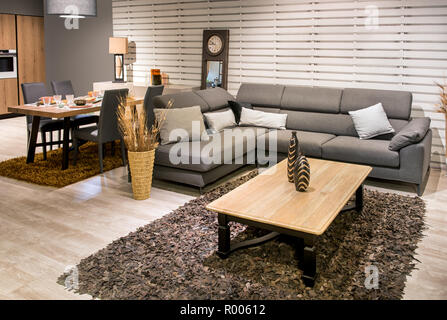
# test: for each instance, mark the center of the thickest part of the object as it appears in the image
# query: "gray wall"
(82, 55)
(24, 7)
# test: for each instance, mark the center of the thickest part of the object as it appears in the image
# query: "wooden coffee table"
(270, 202)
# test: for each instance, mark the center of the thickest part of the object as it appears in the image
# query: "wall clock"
(215, 58)
(214, 44)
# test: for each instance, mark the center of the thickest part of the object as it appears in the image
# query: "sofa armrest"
(415, 159)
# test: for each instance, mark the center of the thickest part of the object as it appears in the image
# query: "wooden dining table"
(58, 113)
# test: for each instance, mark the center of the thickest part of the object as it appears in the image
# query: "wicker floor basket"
(141, 168)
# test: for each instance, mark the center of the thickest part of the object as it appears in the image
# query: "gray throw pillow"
(217, 121)
(412, 133)
(371, 122)
(178, 125)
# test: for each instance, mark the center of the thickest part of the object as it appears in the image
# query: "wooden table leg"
(33, 140)
(66, 141)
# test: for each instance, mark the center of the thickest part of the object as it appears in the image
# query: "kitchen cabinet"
(30, 50)
(8, 32)
(8, 94)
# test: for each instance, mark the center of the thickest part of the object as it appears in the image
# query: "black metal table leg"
(66, 141)
(308, 263)
(359, 199)
(300, 251)
(357, 204)
(33, 140)
(224, 236)
(306, 252)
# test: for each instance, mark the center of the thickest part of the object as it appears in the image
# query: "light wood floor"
(43, 230)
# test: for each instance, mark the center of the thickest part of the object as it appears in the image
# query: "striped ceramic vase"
(301, 173)
(292, 156)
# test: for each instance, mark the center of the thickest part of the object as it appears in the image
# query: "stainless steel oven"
(8, 64)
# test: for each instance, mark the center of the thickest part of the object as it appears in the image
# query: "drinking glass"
(70, 99)
(46, 101)
(57, 99)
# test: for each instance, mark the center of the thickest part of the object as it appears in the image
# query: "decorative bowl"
(80, 102)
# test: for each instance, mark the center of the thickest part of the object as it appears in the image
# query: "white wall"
(322, 42)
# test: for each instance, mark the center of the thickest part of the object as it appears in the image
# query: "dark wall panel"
(81, 55)
(25, 7)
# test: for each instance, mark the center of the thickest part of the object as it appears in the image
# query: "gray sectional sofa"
(325, 130)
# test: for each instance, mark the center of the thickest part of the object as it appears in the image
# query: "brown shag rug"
(174, 257)
(48, 172)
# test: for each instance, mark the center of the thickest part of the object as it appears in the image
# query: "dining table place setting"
(55, 107)
(56, 101)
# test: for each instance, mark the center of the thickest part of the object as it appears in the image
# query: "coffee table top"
(269, 198)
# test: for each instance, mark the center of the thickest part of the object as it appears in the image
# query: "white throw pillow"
(217, 121)
(371, 122)
(263, 119)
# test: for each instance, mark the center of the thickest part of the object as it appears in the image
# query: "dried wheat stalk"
(133, 127)
(443, 97)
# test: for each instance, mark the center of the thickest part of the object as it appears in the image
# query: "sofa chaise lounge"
(324, 127)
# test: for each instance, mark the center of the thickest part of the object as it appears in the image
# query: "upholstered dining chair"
(66, 87)
(148, 105)
(107, 128)
(32, 92)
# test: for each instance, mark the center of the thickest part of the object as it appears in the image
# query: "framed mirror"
(214, 74)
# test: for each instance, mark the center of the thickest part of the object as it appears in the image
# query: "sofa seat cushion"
(310, 142)
(203, 156)
(87, 133)
(352, 149)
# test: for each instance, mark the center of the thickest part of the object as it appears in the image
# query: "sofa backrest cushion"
(261, 95)
(398, 124)
(315, 109)
(216, 98)
(338, 124)
(181, 100)
(397, 104)
(312, 99)
(266, 109)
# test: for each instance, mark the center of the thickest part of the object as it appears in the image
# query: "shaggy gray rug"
(174, 257)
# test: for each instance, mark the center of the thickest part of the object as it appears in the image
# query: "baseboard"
(10, 115)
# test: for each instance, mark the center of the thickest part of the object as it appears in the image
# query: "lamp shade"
(86, 8)
(118, 45)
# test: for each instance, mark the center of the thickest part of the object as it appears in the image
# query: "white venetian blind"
(383, 44)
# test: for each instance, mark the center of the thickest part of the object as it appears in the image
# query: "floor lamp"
(118, 47)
